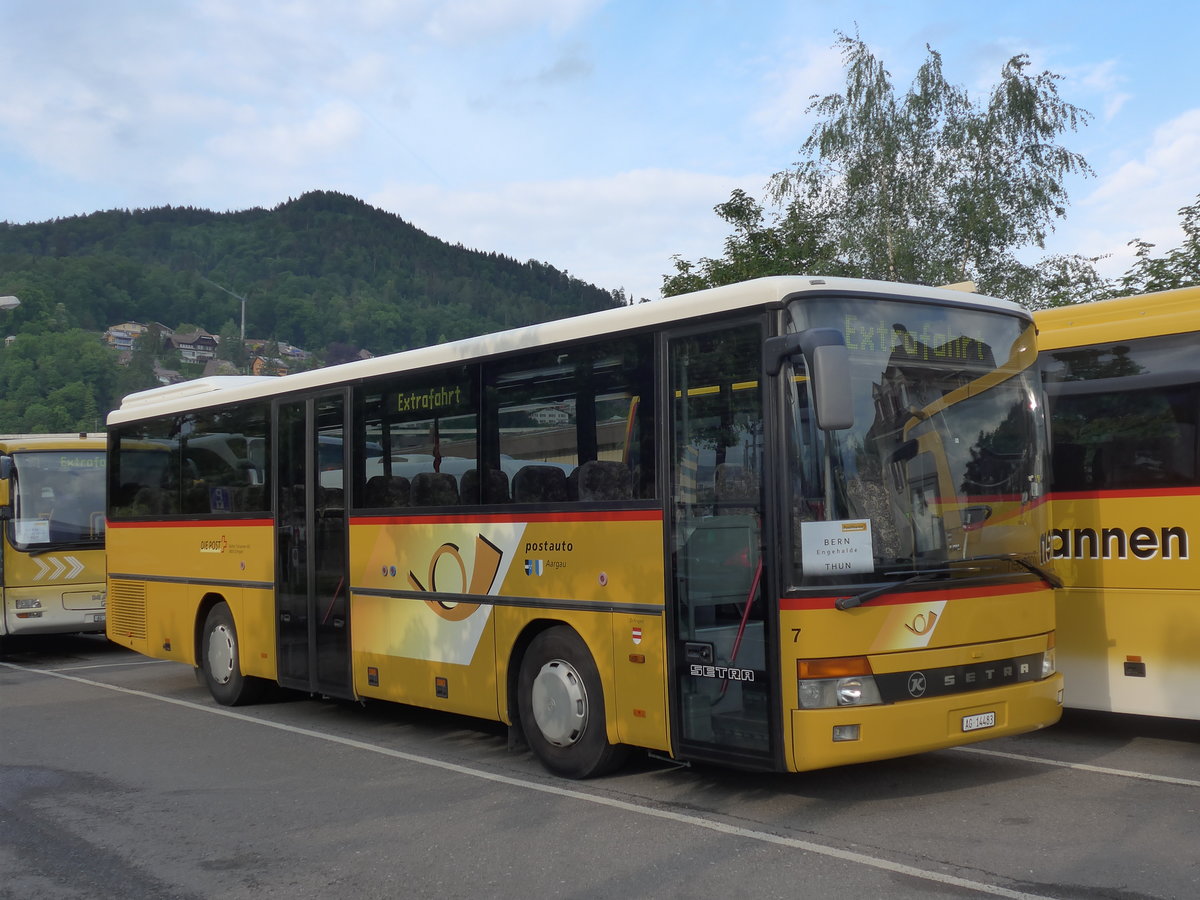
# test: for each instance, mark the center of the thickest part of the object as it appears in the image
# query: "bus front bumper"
(828, 737)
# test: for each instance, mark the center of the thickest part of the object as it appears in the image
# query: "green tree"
(794, 244)
(929, 187)
(1179, 267)
(230, 346)
(56, 382)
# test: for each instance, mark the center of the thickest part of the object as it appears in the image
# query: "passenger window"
(207, 463)
(419, 440)
(575, 424)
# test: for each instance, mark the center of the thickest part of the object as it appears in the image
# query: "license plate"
(978, 721)
(98, 618)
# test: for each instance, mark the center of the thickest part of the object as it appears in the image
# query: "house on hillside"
(121, 337)
(288, 351)
(220, 367)
(196, 346)
(166, 376)
(289, 355)
(261, 365)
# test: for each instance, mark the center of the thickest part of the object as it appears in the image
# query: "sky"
(593, 135)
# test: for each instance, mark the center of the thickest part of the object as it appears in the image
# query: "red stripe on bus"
(632, 515)
(927, 596)
(1127, 494)
(195, 523)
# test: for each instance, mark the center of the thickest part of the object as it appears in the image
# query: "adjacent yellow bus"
(787, 524)
(1123, 385)
(52, 549)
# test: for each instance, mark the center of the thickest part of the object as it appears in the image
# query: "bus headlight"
(1049, 664)
(29, 603)
(825, 693)
(852, 684)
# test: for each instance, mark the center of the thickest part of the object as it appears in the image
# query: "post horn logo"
(483, 573)
(922, 624)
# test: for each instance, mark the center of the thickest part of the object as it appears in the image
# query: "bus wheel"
(220, 661)
(561, 704)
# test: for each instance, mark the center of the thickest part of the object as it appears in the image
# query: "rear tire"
(561, 704)
(220, 660)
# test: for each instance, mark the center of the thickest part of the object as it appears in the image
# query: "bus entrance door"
(312, 602)
(721, 678)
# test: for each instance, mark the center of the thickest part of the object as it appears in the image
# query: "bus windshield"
(944, 462)
(58, 499)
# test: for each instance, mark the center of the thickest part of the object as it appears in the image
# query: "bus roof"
(759, 292)
(1122, 318)
(12, 443)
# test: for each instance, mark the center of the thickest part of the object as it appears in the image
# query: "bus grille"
(127, 608)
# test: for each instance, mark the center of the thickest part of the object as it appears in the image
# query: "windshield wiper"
(923, 575)
(1049, 577)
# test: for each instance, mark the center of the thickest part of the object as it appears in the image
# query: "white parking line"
(694, 821)
(1081, 767)
(136, 662)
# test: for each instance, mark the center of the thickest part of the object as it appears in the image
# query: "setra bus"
(52, 510)
(786, 524)
(1123, 389)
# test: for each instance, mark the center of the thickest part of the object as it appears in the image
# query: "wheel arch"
(516, 655)
(203, 608)
(601, 652)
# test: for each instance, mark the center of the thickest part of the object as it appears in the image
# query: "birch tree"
(929, 186)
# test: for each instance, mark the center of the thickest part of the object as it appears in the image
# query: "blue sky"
(595, 136)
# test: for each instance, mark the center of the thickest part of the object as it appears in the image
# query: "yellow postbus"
(52, 507)
(1122, 379)
(786, 524)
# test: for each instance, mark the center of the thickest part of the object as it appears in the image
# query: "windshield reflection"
(945, 459)
(58, 499)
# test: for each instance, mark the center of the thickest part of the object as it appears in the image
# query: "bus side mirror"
(6, 468)
(828, 360)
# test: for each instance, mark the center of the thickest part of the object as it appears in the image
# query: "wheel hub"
(560, 705)
(220, 654)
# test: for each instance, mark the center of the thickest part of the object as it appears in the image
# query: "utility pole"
(231, 294)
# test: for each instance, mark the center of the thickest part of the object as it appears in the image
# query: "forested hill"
(319, 271)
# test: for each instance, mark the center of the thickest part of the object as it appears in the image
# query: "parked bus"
(787, 524)
(52, 510)
(1123, 386)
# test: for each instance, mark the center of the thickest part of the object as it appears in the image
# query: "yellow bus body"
(1127, 620)
(459, 657)
(440, 604)
(935, 631)
(60, 590)
(195, 562)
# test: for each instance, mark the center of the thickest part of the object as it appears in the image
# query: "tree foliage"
(323, 272)
(1179, 267)
(316, 270)
(928, 187)
(56, 381)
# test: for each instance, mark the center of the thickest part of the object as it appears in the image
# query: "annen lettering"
(1142, 542)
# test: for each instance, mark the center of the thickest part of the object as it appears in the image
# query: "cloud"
(1141, 197)
(279, 141)
(615, 232)
(472, 20)
(1104, 79)
(813, 69)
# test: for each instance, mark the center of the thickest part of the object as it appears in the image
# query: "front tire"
(561, 704)
(220, 660)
